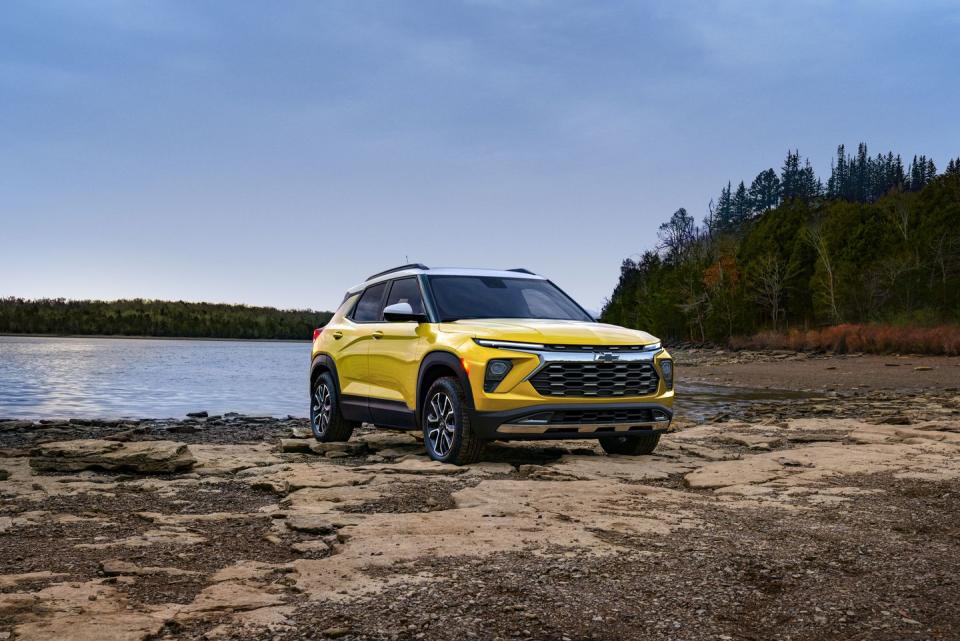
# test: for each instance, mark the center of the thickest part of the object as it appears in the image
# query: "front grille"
(596, 379)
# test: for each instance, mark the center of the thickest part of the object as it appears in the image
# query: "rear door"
(397, 349)
(354, 336)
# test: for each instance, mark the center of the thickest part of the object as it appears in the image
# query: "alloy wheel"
(321, 408)
(441, 424)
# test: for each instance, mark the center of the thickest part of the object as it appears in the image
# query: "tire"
(447, 434)
(633, 445)
(326, 421)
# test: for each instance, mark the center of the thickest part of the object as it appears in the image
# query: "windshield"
(460, 297)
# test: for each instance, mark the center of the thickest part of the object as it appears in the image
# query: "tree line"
(879, 241)
(141, 317)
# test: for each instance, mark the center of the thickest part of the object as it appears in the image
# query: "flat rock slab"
(413, 465)
(727, 473)
(310, 523)
(141, 456)
(117, 567)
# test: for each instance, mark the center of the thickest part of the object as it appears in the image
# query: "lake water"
(144, 378)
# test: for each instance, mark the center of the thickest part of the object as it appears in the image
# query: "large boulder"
(140, 456)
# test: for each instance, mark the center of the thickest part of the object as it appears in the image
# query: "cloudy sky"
(277, 153)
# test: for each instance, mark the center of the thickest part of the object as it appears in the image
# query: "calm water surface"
(143, 378)
(113, 378)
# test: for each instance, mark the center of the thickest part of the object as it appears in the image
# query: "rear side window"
(406, 290)
(368, 307)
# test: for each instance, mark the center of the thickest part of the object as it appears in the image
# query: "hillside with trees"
(155, 318)
(879, 242)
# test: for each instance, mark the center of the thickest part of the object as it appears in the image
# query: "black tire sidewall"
(327, 380)
(639, 445)
(451, 388)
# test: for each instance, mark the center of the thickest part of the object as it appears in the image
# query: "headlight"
(666, 368)
(496, 370)
(652, 347)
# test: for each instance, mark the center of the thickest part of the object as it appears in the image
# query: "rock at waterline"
(137, 456)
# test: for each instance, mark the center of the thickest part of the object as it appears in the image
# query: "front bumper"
(571, 421)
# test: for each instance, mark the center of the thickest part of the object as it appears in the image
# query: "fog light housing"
(666, 368)
(496, 370)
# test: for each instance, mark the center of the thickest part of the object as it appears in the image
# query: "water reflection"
(105, 378)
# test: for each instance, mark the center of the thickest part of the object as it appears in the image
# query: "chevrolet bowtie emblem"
(606, 356)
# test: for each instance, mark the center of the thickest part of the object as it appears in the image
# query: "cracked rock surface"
(828, 516)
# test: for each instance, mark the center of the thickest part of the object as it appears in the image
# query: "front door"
(395, 354)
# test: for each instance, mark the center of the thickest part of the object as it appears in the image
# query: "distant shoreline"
(162, 338)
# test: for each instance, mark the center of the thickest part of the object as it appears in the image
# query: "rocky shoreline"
(829, 515)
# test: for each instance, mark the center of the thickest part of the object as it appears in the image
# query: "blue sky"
(277, 153)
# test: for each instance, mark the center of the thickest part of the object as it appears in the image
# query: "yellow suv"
(472, 355)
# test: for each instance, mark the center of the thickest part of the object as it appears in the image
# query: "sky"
(278, 153)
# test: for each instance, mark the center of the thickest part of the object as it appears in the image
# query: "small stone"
(307, 547)
(335, 633)
(922, 368)
(4, 475)
(201, 414)
(336, 454)
(295, 445)
(310, 523)
(302, 432)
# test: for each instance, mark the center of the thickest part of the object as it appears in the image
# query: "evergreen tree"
(741, 206)
(765, 191)
(810, 185)
(791, 179)
(720, 216)
(839, 175)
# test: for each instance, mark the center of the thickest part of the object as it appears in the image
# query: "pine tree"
(930, 172)
(810, 185)
(741, 206)
(790, 177)
(839, 175)
(765, 191)
(720, 218)
(861, 175)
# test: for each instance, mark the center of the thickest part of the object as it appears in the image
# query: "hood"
(557, 332)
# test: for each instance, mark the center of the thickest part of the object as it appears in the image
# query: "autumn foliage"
(851, 338)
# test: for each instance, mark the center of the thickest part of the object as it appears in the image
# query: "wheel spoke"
(441, 424)
(322, 409)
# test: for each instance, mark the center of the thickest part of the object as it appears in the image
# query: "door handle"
(378, 334)
(338, 335)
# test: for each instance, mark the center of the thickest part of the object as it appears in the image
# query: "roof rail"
(396, 269)
(521, 270)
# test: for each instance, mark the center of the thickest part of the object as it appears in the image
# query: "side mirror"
(402, 313)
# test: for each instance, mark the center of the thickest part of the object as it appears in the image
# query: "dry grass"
(848, 338)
